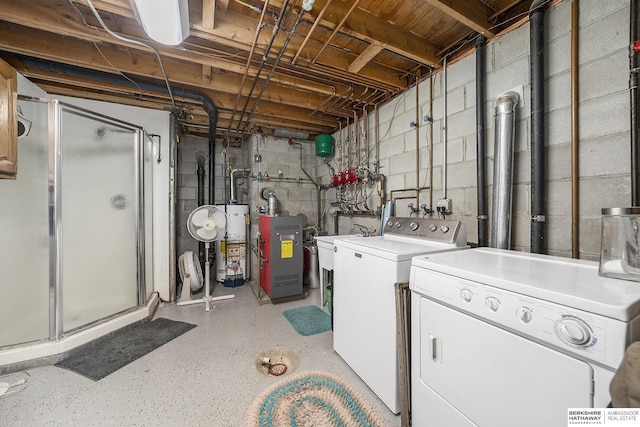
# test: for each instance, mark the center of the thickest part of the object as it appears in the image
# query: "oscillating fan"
(207, 224)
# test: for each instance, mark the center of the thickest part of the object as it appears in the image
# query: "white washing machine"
(366, 270)
(502, 338)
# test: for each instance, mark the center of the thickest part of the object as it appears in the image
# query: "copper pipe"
(376, 137)
(417, 123)
(431, 140)
(365, 136)
(335, 31)
(273, 68)
(274, 33)
(313, 27)
(248, 65)
(575, 135)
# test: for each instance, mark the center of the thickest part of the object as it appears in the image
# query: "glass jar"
(620, 244)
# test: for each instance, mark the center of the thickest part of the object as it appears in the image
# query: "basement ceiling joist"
(349, 55)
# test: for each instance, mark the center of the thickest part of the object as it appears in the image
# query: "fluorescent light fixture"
(165, 21)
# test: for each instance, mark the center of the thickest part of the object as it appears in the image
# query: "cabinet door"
(8, 121)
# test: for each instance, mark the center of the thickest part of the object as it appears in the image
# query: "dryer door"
(491, 377)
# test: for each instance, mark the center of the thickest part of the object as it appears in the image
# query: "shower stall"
(74, 226)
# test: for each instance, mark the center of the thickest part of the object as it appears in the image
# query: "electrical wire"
(395, 110)
(520, 15)
(139, 43)
(95, 44)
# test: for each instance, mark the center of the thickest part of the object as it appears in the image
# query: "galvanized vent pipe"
(505, 119)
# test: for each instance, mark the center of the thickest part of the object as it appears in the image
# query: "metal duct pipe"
(483, 213)
(232, 177)
(503, 169)
(634, 81)
(536, 22)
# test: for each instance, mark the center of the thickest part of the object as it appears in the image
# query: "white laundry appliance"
(502, 338)
(325, 260)
(366, 270)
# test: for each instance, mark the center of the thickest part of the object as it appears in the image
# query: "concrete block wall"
(296, 194)
(604, 153)
(189, 149)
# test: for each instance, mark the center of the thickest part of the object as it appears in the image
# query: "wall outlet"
(444, 206)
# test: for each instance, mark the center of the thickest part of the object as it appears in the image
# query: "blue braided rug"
(312, 399)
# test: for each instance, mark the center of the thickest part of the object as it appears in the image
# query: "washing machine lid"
(394, 248)
(566, 281)
(327, 241)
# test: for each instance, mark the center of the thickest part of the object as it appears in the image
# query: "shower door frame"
(56, 296)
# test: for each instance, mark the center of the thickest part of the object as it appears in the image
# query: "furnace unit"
(281, 255)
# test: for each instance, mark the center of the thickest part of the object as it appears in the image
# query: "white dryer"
(366, 270)
(502, 338)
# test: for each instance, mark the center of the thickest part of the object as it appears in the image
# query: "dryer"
(366, 270)
(502, 338)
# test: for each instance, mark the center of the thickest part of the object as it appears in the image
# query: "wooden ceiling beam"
(222, 101)
(71, 51)
(20, 14)
(208, 21)
(365, 57)
(373, 29)
(472, 13)
(237, 31)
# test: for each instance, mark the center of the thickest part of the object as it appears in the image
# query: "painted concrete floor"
(206, 377)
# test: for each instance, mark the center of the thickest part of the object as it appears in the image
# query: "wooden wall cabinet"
(8, 121)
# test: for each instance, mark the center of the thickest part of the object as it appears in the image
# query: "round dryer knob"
(574, 331)
(524, 314)
(466, 294)
(492, 303)
(444, 228)
(413, 226)
(433, 227)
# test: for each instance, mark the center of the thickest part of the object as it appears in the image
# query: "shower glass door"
(24, 237)
(99, 216)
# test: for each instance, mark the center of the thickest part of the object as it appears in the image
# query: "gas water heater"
(281, 255)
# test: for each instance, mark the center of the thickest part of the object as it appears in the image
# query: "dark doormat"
(308, 320)
(105, 355)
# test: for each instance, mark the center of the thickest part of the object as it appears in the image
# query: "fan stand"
(206, 299)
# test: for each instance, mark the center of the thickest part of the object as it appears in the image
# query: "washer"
(365, 272)
(502, 338)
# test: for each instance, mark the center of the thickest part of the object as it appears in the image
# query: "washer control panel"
(443, 230)
(572, 330)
